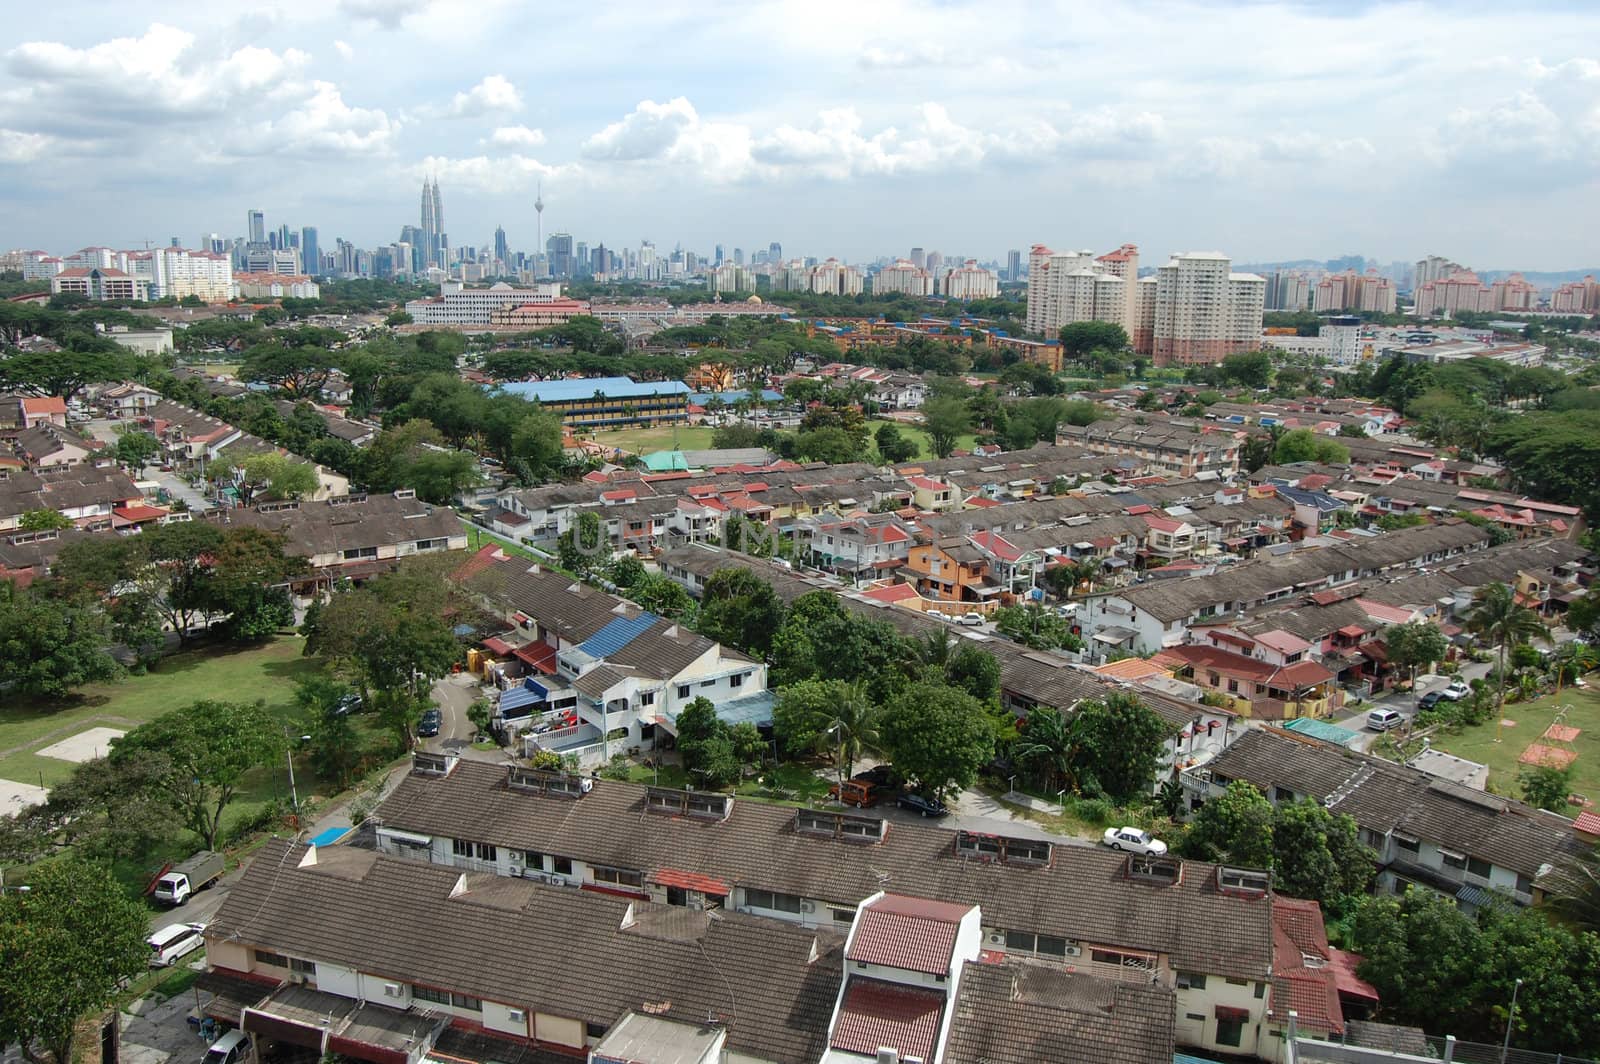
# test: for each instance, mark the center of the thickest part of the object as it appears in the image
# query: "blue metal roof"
(617, 634)
(733, 396)
(518, 698)
(610, 387)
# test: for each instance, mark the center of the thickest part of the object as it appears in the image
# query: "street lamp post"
(1511, 1018)
(288, 756)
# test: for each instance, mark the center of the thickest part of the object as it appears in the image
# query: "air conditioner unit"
(1074, 951)
(297, 978)
(557, 881)
(997, 939)
(808, 906)
(393, 990)
(517, 1015)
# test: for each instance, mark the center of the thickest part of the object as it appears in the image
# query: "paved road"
(1405, 703)
(453, 695)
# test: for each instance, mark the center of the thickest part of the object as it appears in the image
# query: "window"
(683, 690)
(461, 847)
(1261, 988)
(486, 852)
(1478, 868)
(1452, 860)
(619, 877)
(766, 899)
(1049, 946)
(354, 553)
(595, 1030)
(276, 960)
(708, 683)
(1194, 1016)
(1019, 940)
(427, 993)
(462, 1001)
(647, 698)
(533, 859)
(1238, 982)
(1229, 1032)
(843, 916)
(1122, 960)
(1192, 981)
(1410, 846)
(736, 680)
(563, 866)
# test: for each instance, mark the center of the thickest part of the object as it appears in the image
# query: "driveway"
(1405, 703)
(453, 695)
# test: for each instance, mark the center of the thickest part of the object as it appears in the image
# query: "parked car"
(921, 803)
(1134, 841)
(877, 775)
(1429, 700)
(430, 724)
(174, 942)
(1384, 719)
(231, 1048)
(347, 704)
(971, 620)
(854, 792)
(1455, 691)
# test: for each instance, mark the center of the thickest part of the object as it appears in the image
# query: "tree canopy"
(938, 736)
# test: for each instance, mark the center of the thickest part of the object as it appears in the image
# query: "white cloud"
(649, 132)
(345, 51)
(496, 175)
(321, 124)
(18, 147)
(494, 94)
(387, 13)
(516, 137)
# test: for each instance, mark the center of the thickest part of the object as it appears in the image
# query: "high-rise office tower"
(502, 252)
(538, 210)
(580, 259)
(774, 252)
(559, 249)
(310, 251)
(432, 223)
(918, 258)
(258, 227)
(283, 237)
(1013, 266)
(738, 256)
(717, 261)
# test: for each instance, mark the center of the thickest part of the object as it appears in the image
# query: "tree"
(1415, 644)
(1034, 626)
(803, 710)
(275, 475)
(1422, 954)
(64, 373)
(300, 371)
(893, 447)
(1496, 616)
(583, 546)
(707, 745)
(975, 671)
(246, 583)
(1116, 743)
(1317, 855)
(43, 520)
(134, 450)
(66, 946)
(1576, 893)
(179, 559)
(1252, 369)
(1081, 337)
(1044, 749)
(853, 724)
(1235, 827)
(1546, 787)
(208, 746)
(535, 450)
(49, 646)
(663, 596)
(740, 609)
(334, 746)
(937, 736)
(1303, 445)
(946, 420)
(625, 570)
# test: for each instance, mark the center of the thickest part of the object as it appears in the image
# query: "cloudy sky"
(1269, 130)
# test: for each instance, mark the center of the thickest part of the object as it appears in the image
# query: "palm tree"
(932, 650)
(1497, 617)
(1045, 746)
(1576, 898)
(1572, 660)
(854, 725)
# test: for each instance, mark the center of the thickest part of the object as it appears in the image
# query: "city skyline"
(1089, 127)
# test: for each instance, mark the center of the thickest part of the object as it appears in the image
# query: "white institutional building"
(456, 304)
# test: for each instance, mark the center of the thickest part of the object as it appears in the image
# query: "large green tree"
(209, 747)
(1234, 827)
(1414, 644)
(1303, 445)
(1080, 338)
(50, 646)
(1498, 618)
(946, 421)
(1116, 743)
(937, 736)
(66, 945)
(740, 609)
(1318, 855)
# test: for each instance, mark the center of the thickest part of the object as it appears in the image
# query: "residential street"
(1405, 703)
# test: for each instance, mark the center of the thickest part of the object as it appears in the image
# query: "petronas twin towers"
(433, 222)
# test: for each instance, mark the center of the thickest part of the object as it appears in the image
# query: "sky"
(1267, 130)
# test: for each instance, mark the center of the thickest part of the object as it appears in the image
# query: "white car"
(174, 942)
(1134, 841)
(1455, 691)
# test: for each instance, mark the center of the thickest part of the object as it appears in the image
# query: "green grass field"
(1499, 747)
(645, 439)
(916, 434)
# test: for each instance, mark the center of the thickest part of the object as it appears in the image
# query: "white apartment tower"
(904, 277)
(1077, 286)
(834, 278)
(1200, 311)
(970, 281)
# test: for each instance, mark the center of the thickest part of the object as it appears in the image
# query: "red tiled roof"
(1345, 978)
(875, 1014)
(891, 593)
(997, 545)
(45, 404)
(497, 646)
(1302, 674)
(1587, 823)
(540, 656)
(139, 513)
(672, 877)
(485, 556)
(1224, 661)
(909, 933)
(1304, 979)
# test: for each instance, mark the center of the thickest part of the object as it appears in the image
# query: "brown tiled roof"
(877, 1014)
(1082, 894)
(915, 934)
(1023, 1012)
(772, 983)
(317, 528)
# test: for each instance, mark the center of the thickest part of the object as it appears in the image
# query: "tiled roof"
(1082, 894)
(1024, 1012)
(1303, 979)
(909, 933)
(771, 983)
(876, 1014)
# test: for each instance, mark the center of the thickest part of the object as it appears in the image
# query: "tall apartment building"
(971, 281)
(1451, 294)
(1198, 311)
(731, 277)
(904, 277)
(1577, 297)
(1013, 266)
(1350, 291)
(1289, 290)
(834, 278)
(1514, 293)
(1077, 286)
(1434, 268)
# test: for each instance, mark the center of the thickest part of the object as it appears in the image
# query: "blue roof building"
(608, 401)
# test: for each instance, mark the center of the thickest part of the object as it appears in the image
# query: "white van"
(1384, 719)
(231, 1048)
(173, 942)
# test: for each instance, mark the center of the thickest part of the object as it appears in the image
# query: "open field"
(644, 439)
(1532, 718)
(916, 434)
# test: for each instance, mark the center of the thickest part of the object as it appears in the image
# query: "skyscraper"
(919, 258)
(501, 251)
(559, 248)
(310, 251)
(718, 260)
(538, 210)
(774, 252)
(432, 223)
(1013, 266)
(258, 227)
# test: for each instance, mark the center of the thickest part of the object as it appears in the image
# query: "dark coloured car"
(430, 724)
(347, 704)
(921, 803)
(1431, 699)
(878, 776)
